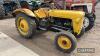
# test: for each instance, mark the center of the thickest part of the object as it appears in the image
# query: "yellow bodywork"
(42, 13)
(77, 17)
(26, 11)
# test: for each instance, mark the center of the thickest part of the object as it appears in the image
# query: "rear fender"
(25, 11)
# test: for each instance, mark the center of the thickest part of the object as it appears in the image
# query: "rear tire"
(70, 42)
(25, 25)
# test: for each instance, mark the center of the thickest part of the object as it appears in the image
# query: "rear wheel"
(25, 25)
(65, 42)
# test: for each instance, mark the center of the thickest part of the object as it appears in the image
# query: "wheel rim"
(22, 25)
(86, 22)
(64, 42)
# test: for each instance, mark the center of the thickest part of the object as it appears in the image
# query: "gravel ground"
(43, 46)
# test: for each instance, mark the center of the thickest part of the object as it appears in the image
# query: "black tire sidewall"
(91, 22)
(94, 16)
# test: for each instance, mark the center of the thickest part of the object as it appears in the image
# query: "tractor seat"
(33, 6)
(42, 13)
(24, 4)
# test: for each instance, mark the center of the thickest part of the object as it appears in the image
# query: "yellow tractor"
(66, 24)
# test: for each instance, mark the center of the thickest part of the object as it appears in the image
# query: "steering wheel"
(46, 4)
(38, 4)
(34, 5)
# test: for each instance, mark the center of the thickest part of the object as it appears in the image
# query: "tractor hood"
(68, 14)
(77, 18)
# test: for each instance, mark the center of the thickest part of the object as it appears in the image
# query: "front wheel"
(65, 42)
(88, 22)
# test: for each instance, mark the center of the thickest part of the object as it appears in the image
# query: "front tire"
(25, 25)
(65, 42)
(89, 22)
(94, 16)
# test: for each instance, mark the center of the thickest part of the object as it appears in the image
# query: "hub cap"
(86, 22)
(64, 42)
(22, 25)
